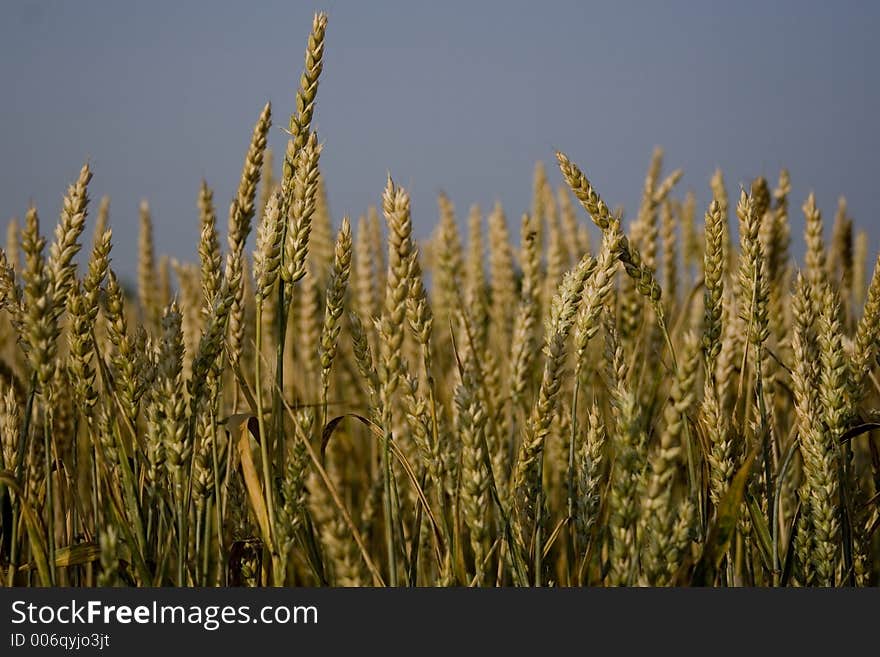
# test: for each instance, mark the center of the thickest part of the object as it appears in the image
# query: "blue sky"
(463, 97)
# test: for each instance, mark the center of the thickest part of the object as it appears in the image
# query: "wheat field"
(670, 400)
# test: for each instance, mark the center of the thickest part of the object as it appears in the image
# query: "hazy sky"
(457, 96)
